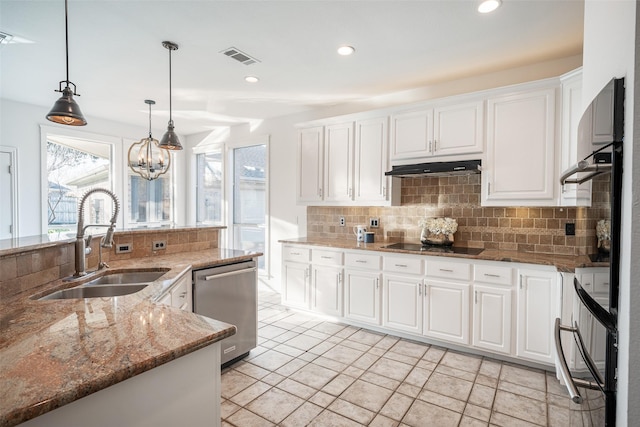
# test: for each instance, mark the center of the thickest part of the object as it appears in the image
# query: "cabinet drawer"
(320, 256)
(297, 254)
(362, 260)
(494, 274)
(448, 270)
(601, 282)
(407, 265)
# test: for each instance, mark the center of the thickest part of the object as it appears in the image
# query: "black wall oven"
(604, 160)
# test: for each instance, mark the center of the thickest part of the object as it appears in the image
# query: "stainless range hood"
(436, 169)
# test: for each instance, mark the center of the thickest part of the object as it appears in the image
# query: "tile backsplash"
(532, 229)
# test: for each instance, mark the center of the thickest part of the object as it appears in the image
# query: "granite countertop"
(563, 263)
(56, 351)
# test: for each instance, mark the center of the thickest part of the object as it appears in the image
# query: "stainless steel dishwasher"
(229, 293)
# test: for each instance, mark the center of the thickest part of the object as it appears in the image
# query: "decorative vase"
(429, 238)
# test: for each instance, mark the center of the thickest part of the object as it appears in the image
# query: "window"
(75, 166)
(150, 202)
(209, 191)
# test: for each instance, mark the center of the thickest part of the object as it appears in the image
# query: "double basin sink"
(111, 284)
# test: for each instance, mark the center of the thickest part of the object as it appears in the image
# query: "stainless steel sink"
(126, 277)
(96, 291)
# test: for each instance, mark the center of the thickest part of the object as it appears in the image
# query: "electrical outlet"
(374, 222)
(570, 229)
(124, 248)
(342, 221)
(158, 245)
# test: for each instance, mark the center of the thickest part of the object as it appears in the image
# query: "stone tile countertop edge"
(54, 352)
(563, 263)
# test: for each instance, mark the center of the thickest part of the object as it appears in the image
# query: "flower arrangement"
(438, 231)
(603, 232)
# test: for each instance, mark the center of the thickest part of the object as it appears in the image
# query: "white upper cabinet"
(338, 170)
(571, 153)
(446, 130)
(310, 164)
(371, 160)
(520, 161)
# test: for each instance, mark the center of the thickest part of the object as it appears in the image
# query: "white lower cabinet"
(362, 296)
(538, 307)
(295, 284)
(492, 318)
(326, 290)
(179, 295)
(446, 311)
(402, 303)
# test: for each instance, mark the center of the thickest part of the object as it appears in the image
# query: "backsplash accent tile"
(533, 229)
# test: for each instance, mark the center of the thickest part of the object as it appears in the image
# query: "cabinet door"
(338, 171)
(402, 303)
(310, 164)
(295, 279)
(326, 294)
(181, 293)
(372, 148)
(458, 129)
(412, 134)
(446, 311)
(362, 296)
(538, 306)
(520, 159)
(492, 318)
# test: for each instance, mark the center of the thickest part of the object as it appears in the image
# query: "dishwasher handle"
(231, 273)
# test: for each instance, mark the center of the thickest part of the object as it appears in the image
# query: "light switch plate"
(124, 248)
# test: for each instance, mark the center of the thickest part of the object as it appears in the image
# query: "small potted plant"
(603, 232)
(438, 231)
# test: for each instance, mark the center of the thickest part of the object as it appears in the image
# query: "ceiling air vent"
(239, 56)
(5, 38)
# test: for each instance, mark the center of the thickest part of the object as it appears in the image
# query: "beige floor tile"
(252, 370)
(382, 421)
(472, 422)
(227, 408)
(397, 406)
(343, 354)
(291, 351)
(409, 390)
(273, 378)
(270, 331)
(478, 412)
(275, 405)
(291, 367)
(366, 395)
(351, 411)
(418, 377)
(409, 360)
(352, 371)
(455, 372)
(482, 395)
(356, 345)
(523, 391)
(376, 379)
(250, 393)
(330, 364)
(233, 382)
(503, 420)
(321, 348)
(449, 386)
(314, 375)
(520, 407)
(524, 376)
(322, 399)
(422, 414)
(329, 327)
(389, 341)
(331, 419)
(487, 381)
(391, 369)
(465, 362)
(247, 418)
(434, 354)
(302, 416)
(303, 342)
(297, 389)
(313, 332)
(443, 401)
(409, 348)
(366, 337)
(346, 332)
(365, 361)
(339, 384)
(554, 387)
(287, 336)
(271, 360)
(308, 357)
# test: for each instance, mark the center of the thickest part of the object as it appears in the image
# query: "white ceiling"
(117, 59)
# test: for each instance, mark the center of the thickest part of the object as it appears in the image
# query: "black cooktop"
(417, 247)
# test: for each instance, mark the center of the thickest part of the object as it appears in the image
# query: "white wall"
(20, 127)
(609, 51)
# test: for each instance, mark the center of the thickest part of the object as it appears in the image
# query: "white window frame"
(13, 154)
(116, 167)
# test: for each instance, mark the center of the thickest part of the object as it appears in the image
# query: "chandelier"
(146, 157)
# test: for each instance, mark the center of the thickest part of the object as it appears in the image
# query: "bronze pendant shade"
(170, 139)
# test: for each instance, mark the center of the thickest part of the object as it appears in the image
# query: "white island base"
(185, 391)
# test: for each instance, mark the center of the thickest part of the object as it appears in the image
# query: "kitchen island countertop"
(57, 351)
(563, 263)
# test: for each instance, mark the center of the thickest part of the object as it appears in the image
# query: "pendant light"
(66, 111)
(146, 157)
(170, 139)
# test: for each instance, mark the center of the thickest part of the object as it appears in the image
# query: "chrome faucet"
(81, 249)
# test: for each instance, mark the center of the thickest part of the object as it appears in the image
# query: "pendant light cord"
(66, 36)
(170, 107)
(150, 137)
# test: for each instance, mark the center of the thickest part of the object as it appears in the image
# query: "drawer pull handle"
(362, 261)
(402, 265)
(491, 275)
(326, 257)
(183, 294)
(446, 270)
(295, 253)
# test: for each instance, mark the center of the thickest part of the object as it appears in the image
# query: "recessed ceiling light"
(346, 50)
(251, 79)
(487, 6)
